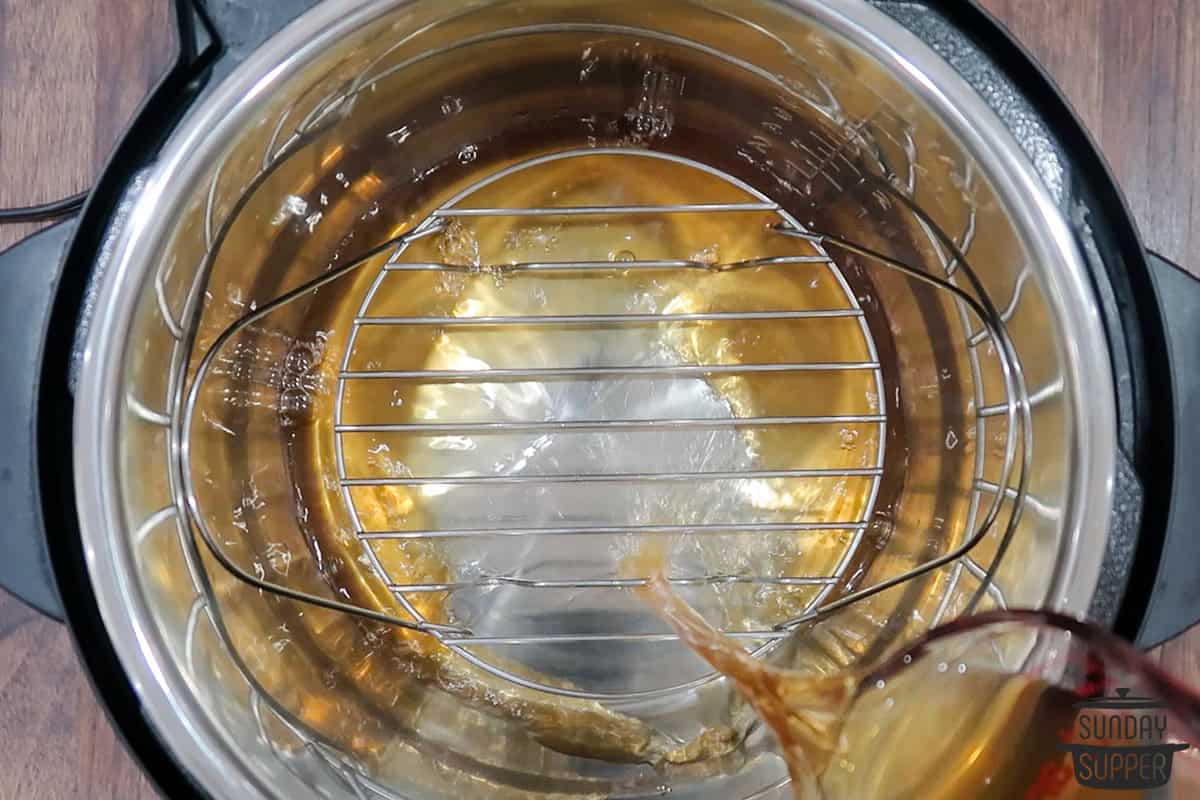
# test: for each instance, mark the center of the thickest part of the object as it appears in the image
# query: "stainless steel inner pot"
(356, 124)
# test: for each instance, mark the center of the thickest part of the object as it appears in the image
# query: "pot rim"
(205, 749)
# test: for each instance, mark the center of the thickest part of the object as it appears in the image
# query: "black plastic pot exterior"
(1150, 586)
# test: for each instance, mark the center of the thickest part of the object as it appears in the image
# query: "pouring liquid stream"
(933, 727)
(805, 712)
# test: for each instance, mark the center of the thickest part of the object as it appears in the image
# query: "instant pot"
(291, 152)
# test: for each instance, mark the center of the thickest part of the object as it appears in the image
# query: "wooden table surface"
(73, 71)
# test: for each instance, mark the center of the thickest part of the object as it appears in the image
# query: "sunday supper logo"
(1122, 743)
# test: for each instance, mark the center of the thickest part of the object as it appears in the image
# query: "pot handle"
(32, 274)
(242, 25)
(29, 273)
(1174, 603)
(212, 37)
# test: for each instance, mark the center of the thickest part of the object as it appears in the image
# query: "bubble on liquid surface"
(533, 237)
(499, 275)
(279, 557)
(280, 641)
(458, 245)
(849, 438)
(461, 444)
(451, 105)
(709, 256)
(622, 256)
(451, 283)
(587, 64)
(292, 206)
(468, 154)
(951, 439)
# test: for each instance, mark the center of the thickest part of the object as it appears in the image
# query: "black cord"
(53, 210)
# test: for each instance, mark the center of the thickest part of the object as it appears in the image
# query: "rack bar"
(607, 530)
(627, 477)
(606, 424)
(668, 370)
